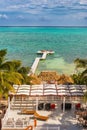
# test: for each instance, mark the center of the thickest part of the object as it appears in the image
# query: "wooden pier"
(37, 59)
(34, 66)
(44, 56)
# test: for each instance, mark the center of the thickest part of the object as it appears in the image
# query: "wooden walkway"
(37, 59)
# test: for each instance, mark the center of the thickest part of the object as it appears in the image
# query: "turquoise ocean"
(22, 43)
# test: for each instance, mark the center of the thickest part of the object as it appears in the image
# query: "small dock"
(37, 59)
(44, 56)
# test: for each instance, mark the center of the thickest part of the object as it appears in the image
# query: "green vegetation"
(81, 77)
(11, 72)
(85, 97)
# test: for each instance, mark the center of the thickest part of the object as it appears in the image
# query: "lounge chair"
(25, 111)
(40, 117)
(29, 128)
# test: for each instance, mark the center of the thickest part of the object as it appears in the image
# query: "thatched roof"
(33, 79)
(49, 76)
(64, 79)
(52, 76)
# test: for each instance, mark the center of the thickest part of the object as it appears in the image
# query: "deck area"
(58, 120)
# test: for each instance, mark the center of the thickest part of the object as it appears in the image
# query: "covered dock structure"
(34, 94)
(38, 98)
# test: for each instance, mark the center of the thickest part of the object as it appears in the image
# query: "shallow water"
(23, 43)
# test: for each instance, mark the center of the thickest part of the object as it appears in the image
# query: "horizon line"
(42, 26)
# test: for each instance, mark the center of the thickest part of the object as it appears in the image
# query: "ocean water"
(22, 43)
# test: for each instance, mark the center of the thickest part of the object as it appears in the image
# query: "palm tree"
(82, 63)
(2, 55)
(10, 73)
(77, 78)
(24, 71)
(16, 66)
(7, 79)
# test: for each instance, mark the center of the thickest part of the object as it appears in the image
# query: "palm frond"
(84, 73)
(80, 63)
(16, 64)
(7, 66)
(24, 70)
(3, 52)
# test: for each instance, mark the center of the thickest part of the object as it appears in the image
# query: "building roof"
(52, 76)
(50, 89)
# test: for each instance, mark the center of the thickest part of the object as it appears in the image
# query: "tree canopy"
(11, 72)
(81, 77)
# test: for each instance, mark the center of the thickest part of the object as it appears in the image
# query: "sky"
(43, 12)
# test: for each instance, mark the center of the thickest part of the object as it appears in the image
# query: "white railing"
(47, 128)
(37, 128)
(13, 124)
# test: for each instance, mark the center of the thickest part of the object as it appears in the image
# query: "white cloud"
(3, 16)
(17, 7)
(32, 12)
(43, 10)
(83, 2)
(26, 5)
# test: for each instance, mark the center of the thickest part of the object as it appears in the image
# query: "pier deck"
(35, 64)
(37, 59)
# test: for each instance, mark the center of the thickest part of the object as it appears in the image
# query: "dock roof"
(50, 89)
